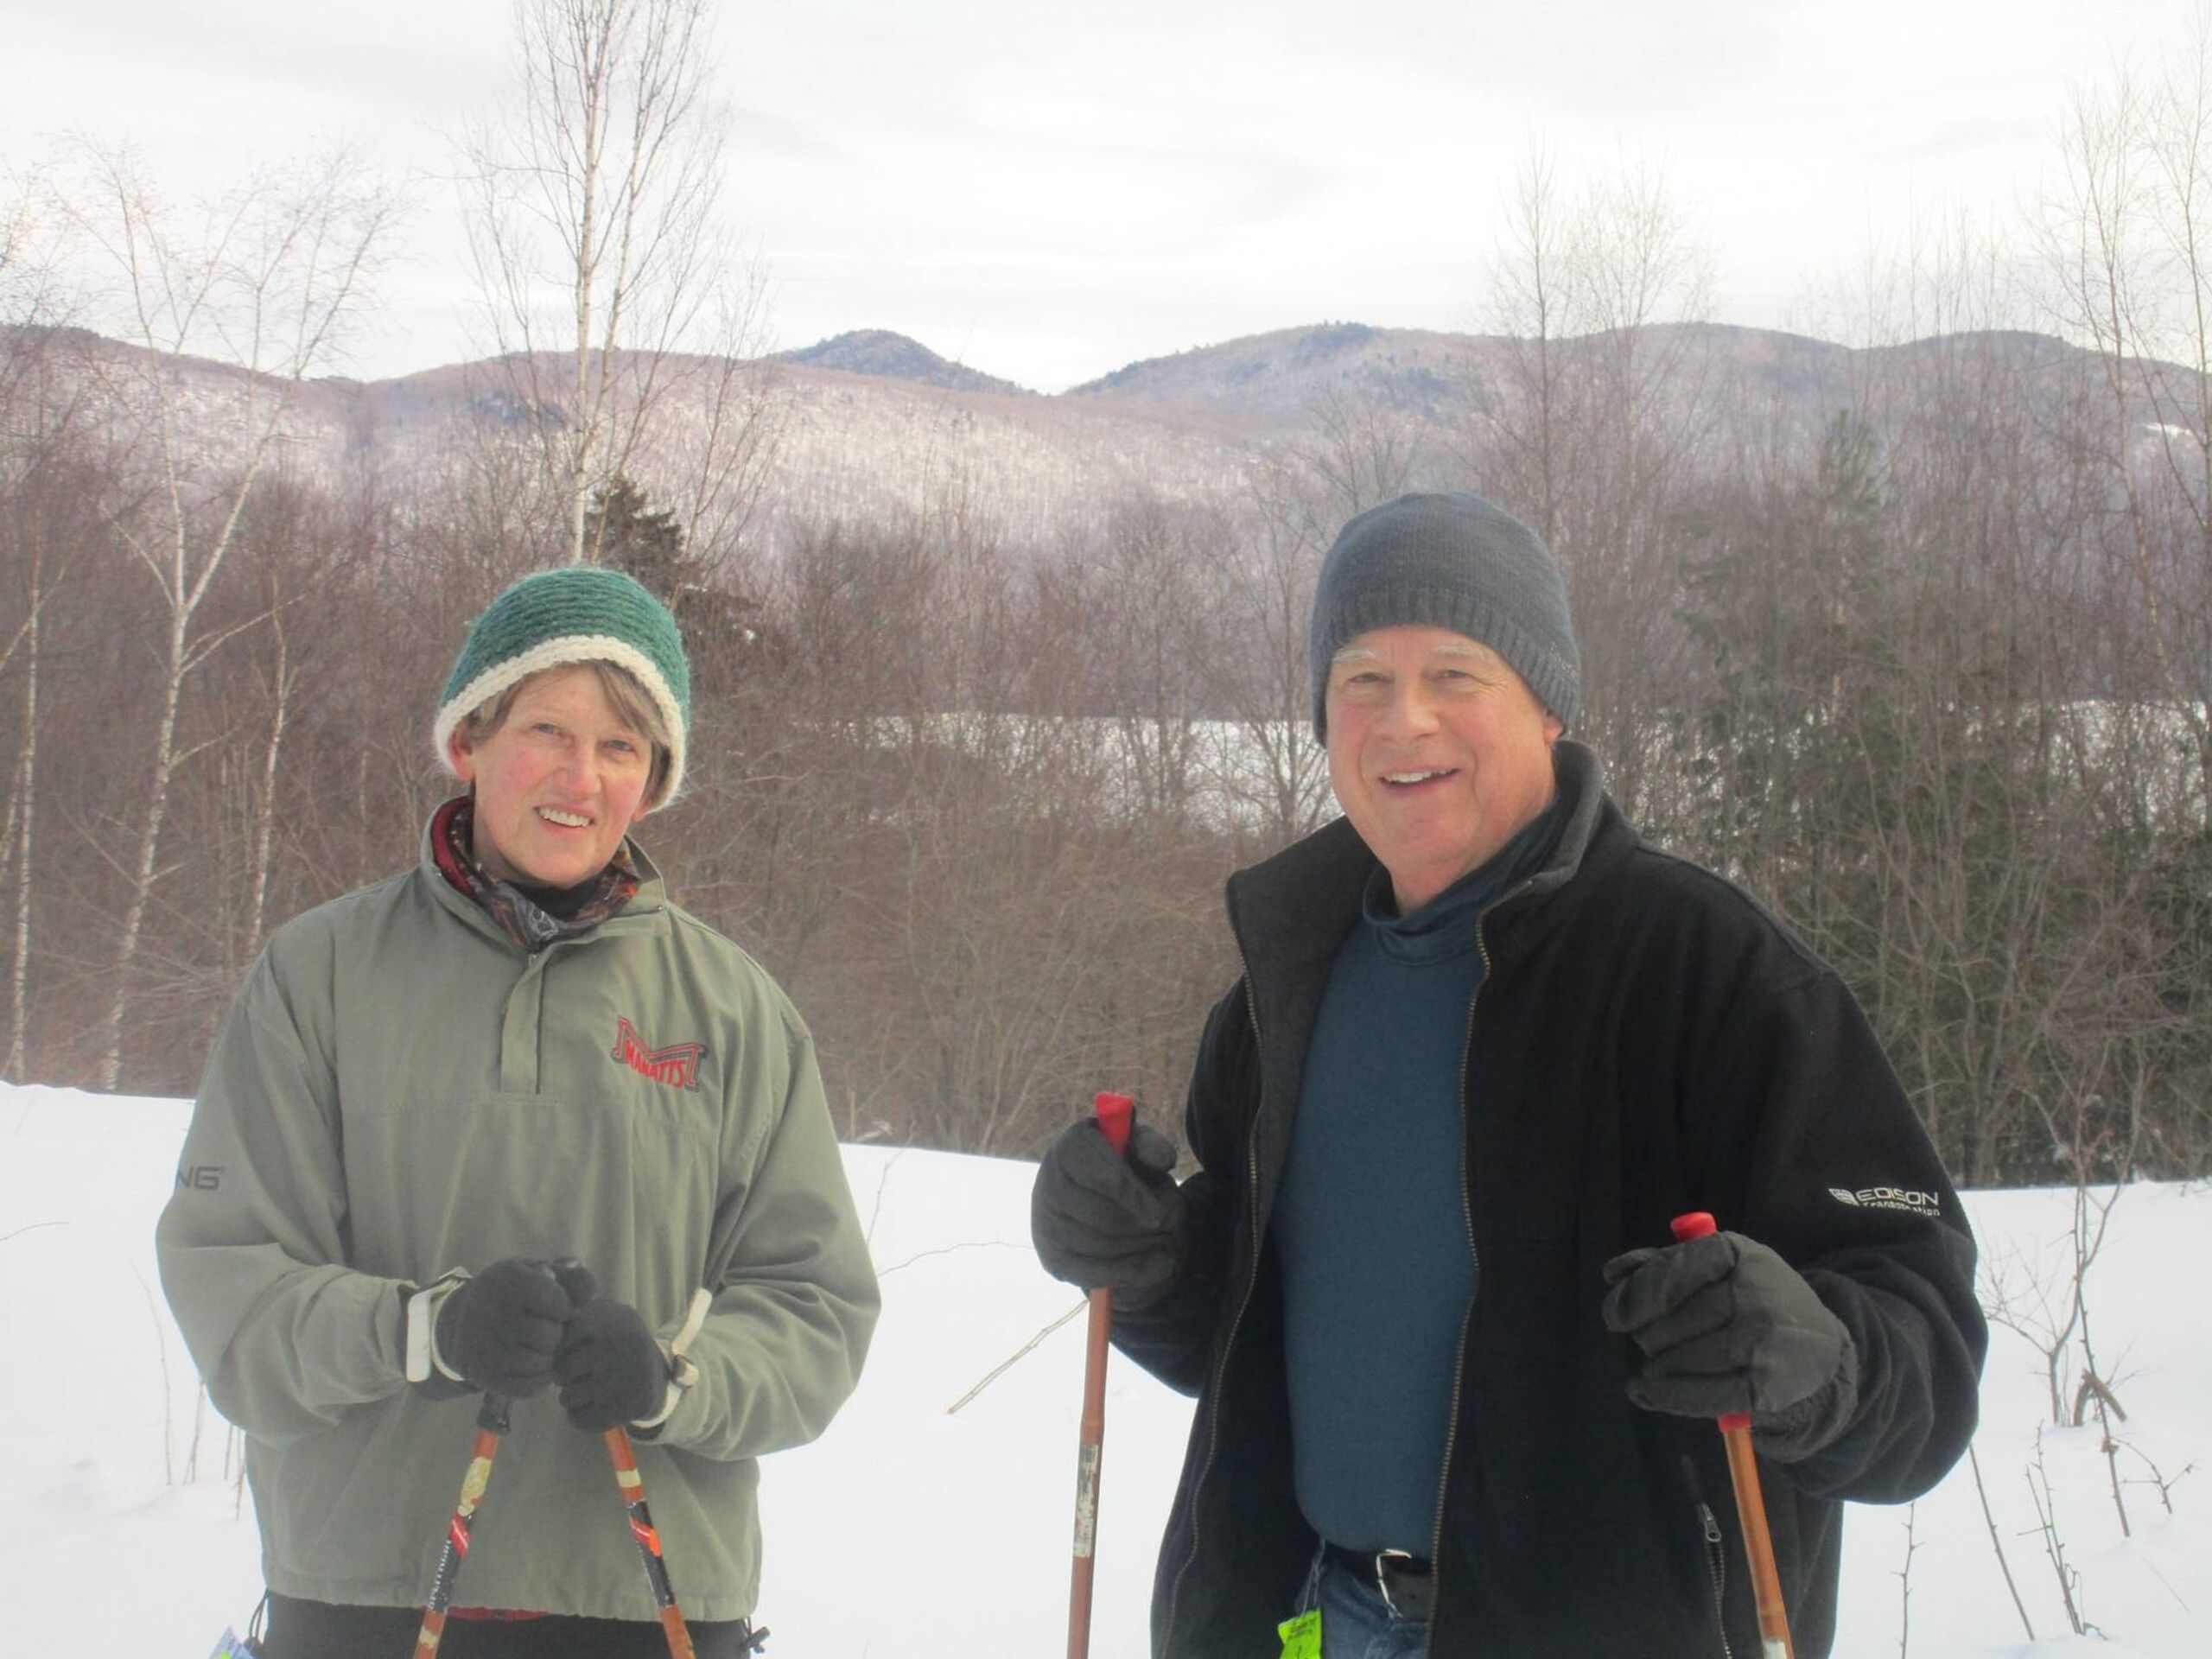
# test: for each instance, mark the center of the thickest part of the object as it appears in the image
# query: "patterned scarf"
(520, 916)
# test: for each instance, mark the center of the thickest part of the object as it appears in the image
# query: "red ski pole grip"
(1699, 1224)
(1116, 1113)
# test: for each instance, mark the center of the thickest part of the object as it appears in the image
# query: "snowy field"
(918, 1533)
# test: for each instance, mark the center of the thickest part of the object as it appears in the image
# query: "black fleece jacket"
(1648, 1040)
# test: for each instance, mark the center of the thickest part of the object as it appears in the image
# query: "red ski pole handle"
(1116, 1113)
(1696, 1223)
(1699, 1224)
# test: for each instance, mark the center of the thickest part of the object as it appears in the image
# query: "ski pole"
(648, 1541)
(1114, 1113)
(1750, 1503)
(643, 1533)
(491, 1423)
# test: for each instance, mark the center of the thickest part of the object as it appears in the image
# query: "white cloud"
(1063, 189)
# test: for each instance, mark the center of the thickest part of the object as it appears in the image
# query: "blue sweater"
(1377, 1266)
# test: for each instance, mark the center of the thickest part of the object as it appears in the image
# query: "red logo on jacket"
(678, 1064)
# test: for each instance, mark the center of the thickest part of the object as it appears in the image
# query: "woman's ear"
(656, 787)
(461, 757)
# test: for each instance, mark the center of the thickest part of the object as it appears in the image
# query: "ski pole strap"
(681, 1371)
(694, 1318)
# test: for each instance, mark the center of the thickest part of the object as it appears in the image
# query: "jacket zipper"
(1716, 1553)
(1474, 1257)
(1244, 1301)
(1252, 1204)
(1467, 1325)
(1716, 1564)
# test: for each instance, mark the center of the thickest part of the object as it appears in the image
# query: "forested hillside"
(1913, 637)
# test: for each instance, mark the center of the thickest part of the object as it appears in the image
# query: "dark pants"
(318, 1630)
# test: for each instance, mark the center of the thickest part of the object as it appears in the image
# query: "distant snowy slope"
(879, 352)
(912, 1532)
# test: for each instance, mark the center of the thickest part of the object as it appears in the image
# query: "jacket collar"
(1294, 910)
(1291, 911)
(650, 901)
(1597, 837)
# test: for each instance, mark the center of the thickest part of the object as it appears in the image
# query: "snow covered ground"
(915, 1532)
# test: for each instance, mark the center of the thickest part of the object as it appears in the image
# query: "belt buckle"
(1385, 1559)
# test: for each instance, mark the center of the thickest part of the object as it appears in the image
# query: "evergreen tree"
(623, 533)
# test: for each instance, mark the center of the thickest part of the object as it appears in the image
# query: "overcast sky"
(1049, 191)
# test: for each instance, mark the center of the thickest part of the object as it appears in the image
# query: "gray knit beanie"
(1449, 560)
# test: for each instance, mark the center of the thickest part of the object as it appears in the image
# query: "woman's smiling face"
(558, 782)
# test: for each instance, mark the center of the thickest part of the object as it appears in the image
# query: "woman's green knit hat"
(580, 613)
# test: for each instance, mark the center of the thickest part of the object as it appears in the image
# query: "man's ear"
(1554, 728)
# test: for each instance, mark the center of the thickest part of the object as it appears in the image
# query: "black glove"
(1103, 1221)
(501, 1329)
(1725, 1325)
(611, 1368)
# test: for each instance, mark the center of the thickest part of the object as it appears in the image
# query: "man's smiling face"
(1438, 753)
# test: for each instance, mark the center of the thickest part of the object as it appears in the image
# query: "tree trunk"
(149, 844)
(24, 808)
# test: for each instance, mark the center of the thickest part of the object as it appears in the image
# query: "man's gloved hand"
(1104, 1222)
(501, 1330)
(611, 1368)
(1725, 1325)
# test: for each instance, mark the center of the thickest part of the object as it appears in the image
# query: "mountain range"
(874, 421)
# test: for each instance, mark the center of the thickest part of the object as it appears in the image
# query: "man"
(1456, 1388)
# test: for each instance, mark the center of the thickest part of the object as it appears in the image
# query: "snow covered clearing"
(916, 1531)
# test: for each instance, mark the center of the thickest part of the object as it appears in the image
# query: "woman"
(437, 1096)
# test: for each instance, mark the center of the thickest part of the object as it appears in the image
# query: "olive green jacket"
(399, 1090)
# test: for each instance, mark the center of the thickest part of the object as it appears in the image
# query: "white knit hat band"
(567, 649)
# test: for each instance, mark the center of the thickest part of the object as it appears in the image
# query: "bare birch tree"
(44, 531)
(23, 306)
(43, 523)
(266, 279)
(592, 201)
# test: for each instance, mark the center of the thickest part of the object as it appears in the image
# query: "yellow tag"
(1301, 1637)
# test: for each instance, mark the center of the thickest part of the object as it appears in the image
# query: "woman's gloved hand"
(499, 1330)
(611, 1368)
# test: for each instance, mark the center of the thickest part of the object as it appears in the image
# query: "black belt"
(1406, 1583)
